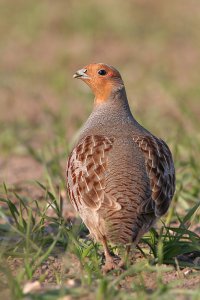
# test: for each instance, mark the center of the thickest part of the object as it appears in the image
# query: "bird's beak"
(81, 74)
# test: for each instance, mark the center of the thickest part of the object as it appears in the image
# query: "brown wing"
(86, 169)
(160, 170)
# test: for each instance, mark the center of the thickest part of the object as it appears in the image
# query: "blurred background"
(154, 44)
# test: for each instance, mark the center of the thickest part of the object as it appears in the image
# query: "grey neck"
(117, 102)
(110, 116)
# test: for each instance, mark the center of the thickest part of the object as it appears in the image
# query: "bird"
(120, 177)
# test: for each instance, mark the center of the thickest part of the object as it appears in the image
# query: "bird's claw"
(112, 264)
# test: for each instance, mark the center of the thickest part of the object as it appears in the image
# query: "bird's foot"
(112, 263)
(122, 263)
(109, 265)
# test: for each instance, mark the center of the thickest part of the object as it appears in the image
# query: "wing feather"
(160, 170)
(86, 169)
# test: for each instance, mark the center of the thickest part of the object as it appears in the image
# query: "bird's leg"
(109, 263)
(123, 261)
(128, 249)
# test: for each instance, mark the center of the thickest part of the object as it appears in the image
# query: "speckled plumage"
(120, 177)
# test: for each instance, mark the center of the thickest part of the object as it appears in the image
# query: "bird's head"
(104, 80)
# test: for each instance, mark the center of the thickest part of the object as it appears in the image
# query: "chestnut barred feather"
(94, 182)
(160, 170)
(86, 169)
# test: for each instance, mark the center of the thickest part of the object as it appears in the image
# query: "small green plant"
(172, 242)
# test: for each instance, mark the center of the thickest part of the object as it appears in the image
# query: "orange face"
(101, 78)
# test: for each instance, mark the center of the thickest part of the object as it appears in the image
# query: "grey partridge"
(120, 177)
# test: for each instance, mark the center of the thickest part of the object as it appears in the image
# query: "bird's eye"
(102, 72)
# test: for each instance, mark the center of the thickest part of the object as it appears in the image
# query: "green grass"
(155, 45)
(33, 236)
